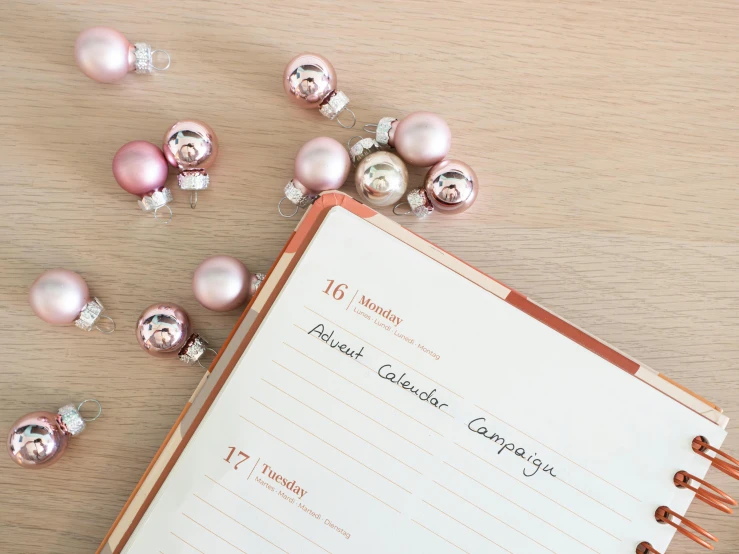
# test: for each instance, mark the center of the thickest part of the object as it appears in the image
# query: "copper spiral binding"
(714, 496)
(664, 515)
(721, 461)
(646, 548)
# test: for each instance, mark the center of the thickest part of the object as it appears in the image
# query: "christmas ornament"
(321, 164)
(192, 147)
(381, 178)
(310, 80)
(140, 168)
(222, 283)
(39, 439)
(450, 187)
(420, 138)
(61, 297)
(106, 56)
(163, 330)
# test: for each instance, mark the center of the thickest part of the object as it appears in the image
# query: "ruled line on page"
(340, 425)
(442, 538)
(468, 527)
(483, 510)
(329, 444)
(320, 464)
(215, 534)
(285, 525)
(237, 521)
(353, 408)
(522, 508)
(538, 491)
(187, 543)
(592, 498)
(562, 455)
(387, 354)
(362, 388)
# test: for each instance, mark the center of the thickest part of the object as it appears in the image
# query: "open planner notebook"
(380, 396)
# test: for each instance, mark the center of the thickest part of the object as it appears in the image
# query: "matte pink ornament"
(321, 164)
(420, 138)
(311, 82)
(61, 297)
(106, 56)
(39, 439)
(222, 283)
(163, 331)
(192, 147)
(139, 167)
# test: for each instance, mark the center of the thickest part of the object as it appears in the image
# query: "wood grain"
(605, 134)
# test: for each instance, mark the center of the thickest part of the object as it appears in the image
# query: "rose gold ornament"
(420, 138)
(61, 297)
(310, 81)
(163, 330)
(106, 56)
(39, 439)
(321, 164)
(222, 283)
(192, 147)
(450, 187)
(139, 167)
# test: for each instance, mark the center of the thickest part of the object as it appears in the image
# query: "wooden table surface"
(605, 135)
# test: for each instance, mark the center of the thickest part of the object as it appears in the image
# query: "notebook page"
(386, 404)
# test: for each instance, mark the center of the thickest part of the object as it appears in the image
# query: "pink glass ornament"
(310, 81)
(61, 297)
(420, 138)
(163, 330)
(321, 164)
(192, 147)
(140, 168)
(39, 439)
(222, 283)
(450, 187)
(106, 56)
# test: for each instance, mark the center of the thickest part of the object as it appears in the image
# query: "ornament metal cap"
(194, 349)
(363, 148)
(418, 204)
(89, 316)
(144, 58)
(257, 280)
(155, 200)
(70, 419)
(334, 104)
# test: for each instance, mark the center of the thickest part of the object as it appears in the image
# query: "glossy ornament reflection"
(192, 147)
(39, 439)
(381, 178)
(163, 331)
(310, 81)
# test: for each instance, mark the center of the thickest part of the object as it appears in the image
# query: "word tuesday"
(407, 385)
(319, 331)
(289, 484)
(476, 426)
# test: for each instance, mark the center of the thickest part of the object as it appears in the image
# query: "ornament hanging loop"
(345, 126)
(100, 409)
(283, 214)
(107, 327)
(165, 221)
(215, 353)
(370, 128)
(193, 199)
(349, 142)
(408, 212)
(169, 60)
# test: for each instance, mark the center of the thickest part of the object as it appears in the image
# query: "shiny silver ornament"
(381, 178)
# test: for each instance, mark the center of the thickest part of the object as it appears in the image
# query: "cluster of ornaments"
(223, 283)
(381, 177)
